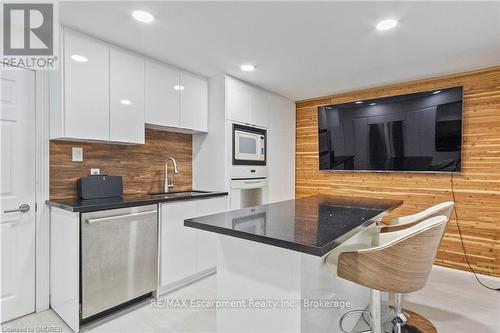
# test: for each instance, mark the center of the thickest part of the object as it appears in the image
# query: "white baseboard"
(184, 282)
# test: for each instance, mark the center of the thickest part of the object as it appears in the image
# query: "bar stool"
(402, 222)
(371, 236)
(401, 263)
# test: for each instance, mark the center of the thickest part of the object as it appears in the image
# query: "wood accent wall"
(142, 166)
(477, 188)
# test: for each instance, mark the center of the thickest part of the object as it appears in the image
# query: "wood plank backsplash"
(142, 166)
(477, 188)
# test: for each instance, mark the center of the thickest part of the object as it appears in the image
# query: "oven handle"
(252, 181)
(244, 184)
(251, 184)
(117, 217)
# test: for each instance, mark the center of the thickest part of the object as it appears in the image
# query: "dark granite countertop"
(313, 225)
(79, 205)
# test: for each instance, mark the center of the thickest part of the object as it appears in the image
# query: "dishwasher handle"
(117, 217)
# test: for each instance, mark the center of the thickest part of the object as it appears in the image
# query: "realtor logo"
(30, 36)
(28, 29)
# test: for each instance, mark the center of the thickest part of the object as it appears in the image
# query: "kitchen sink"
(184, 194)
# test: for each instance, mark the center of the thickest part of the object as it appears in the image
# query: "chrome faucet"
(168, 181)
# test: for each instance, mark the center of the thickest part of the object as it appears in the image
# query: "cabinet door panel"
(193, 102)
(86, 88)
(126, 97)
(178, 243)
(207, 241)
(238, 101)
(162, 96)
(281, 148)
(260, 108)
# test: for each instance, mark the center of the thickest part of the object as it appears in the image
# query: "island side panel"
(326, 297)
(250, 270)
(64, 265)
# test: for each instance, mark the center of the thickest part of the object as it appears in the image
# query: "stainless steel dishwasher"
(119, 257)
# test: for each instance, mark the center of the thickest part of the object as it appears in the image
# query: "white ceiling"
(303, 49)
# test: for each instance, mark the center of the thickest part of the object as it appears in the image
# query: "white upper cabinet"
(238, 101)
(193, 102)
(260, 107)
(247, 104)
(126, 97)
(162, 95)
(104, 93)
(86, 88)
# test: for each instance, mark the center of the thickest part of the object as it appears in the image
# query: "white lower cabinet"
(185, 251)
(178, 243)
(206, 242)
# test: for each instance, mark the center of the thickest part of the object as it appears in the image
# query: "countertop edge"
(293, 246)
(303, 248)
(139, 202)
(289, 245)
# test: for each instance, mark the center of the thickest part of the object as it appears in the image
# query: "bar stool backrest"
(402, 222)
(402, 262)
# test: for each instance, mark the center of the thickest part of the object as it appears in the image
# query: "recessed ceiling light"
(372, 104)
(359, 102)
(79, 58)
(386, 24)
(436, 92)
(143, 16)
(125, 102)
(178, 87)
(247, 68)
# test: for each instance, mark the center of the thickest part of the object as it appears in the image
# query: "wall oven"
(249, 145)
(248, 192)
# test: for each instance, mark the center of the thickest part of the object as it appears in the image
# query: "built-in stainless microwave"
(249, 145)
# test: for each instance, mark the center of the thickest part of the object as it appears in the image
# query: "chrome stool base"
(387, 314)
(406, 329)
(390, 318)
(353, 312)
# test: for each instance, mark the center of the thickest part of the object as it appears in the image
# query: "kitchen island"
(270, 262)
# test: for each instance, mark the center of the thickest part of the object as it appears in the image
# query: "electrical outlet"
(95, 171)
(77, 154)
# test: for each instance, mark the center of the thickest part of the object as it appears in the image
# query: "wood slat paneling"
(142, 166)
(477, 188)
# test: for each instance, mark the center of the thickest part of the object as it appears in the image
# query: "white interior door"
(17, 187)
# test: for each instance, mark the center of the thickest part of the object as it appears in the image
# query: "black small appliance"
(99, 186)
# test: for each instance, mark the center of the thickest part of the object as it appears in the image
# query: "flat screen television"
(419, 132)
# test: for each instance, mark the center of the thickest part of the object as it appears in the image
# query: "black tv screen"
(419, 132)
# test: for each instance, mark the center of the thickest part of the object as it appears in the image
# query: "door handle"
(24, 208)
(117, 217)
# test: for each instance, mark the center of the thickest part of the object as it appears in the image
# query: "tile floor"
(452, 300)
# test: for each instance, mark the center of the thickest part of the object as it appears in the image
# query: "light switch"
(77, 154)
(95, 171)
